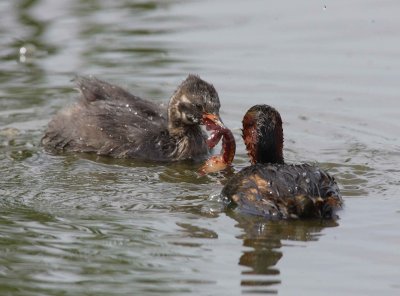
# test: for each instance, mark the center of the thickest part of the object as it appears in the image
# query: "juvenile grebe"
(108, 120)
(271, 188)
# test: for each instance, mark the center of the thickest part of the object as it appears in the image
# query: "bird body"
(270, 187)
(110, 121)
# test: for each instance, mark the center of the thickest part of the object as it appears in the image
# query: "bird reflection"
(264, 240)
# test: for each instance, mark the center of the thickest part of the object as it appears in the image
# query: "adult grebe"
(271, 188)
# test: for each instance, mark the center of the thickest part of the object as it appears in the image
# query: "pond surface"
(84, 225)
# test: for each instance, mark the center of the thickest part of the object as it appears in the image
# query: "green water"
(84, 225)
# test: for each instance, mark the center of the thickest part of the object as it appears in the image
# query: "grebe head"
(193, 102)
(263, 134)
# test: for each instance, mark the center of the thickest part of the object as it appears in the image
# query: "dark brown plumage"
(108, 120)
(271, 188)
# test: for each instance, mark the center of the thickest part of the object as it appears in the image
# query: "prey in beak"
(214, 124)
(212, 121)
(218, 130)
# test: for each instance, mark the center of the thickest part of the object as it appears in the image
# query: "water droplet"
(135, 113)
(225, 200)
(127, 105)
(307, 180)
(304, 174)
(23, 50)
(26, 51)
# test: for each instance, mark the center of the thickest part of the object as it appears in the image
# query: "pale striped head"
(193, 99)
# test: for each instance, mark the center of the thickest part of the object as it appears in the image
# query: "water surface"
(85, 225)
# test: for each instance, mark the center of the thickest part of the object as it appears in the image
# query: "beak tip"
(214, 118)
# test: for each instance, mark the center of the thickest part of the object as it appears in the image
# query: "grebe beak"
(212, 121)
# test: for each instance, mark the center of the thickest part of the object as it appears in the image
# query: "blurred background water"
(84, 225)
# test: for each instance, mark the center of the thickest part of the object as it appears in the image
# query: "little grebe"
(110, 121)
(271, 188)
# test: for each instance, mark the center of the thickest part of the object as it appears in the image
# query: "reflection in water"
(33, 45)
(132, 48)
(265, 240)
(72, 224)
(23, 76)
